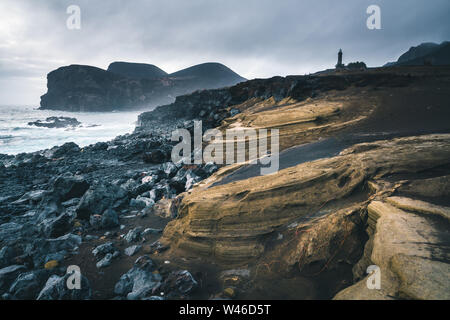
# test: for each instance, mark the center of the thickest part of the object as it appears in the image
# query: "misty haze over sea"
(16, 136)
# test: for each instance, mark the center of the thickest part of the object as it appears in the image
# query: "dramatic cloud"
(256, 38)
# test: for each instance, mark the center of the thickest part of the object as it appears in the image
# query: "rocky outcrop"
(231, 222)
(274, 97)
(126, 85)
(85, 88)
(425, 54)
(409, 243)
(56, 122)
(316, 218)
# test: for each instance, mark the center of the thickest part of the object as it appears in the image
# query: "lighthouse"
(339, 63)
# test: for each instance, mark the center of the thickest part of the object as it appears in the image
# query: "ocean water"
(16, 136)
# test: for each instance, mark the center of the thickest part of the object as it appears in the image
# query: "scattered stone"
(31, 197)
(68, 186)
(142, 202)
(59, 226)
(105, 262)
(178, 284)
(99, 198)
(140, 281)
(27, 285)
(151, 231)
(103, 249)
(131, 251)
(110, 219)
(56, 289)
(134, 235)
(169, 169)
(51, 264)
(65, 150)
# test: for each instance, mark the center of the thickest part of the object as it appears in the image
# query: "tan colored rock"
(409, 250)
(421, 278)
(230, 223)
(360, 291)
(431, 187)
(419, 206)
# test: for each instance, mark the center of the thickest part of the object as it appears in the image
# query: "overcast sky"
(255, 38)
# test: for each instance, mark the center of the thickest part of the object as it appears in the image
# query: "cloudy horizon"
(256, 39)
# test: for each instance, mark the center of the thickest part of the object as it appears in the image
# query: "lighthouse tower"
(339, 64)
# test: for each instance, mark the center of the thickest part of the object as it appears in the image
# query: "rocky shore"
(55, 201)
(141, 227)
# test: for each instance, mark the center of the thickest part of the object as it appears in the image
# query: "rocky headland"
(126, 86)
(428, 53)
(363, 180)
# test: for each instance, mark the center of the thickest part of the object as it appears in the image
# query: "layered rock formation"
(409, 243)
(312, 218)
(229, 222)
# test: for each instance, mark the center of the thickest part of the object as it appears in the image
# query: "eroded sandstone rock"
(231, 222)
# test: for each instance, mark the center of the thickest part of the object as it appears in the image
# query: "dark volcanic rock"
(156, 156)
(140, 281)
(56, 289)
(56, 122)
(86, 88)
(59, 226)
(425, 54)
(66, 149)
(99, 198)
(110, 219)
(208, 76)
(68, 187)
(8, 274)
(137, 70)
(28, 285)
(178, 284)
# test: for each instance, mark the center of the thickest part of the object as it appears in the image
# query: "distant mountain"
(425, 54)
(137, 70)
(208, 75)
(128, 85)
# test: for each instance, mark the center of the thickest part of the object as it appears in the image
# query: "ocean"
(16, 136)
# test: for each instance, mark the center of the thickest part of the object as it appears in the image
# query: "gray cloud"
(256, 38)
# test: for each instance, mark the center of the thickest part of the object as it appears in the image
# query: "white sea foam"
(16, 136)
